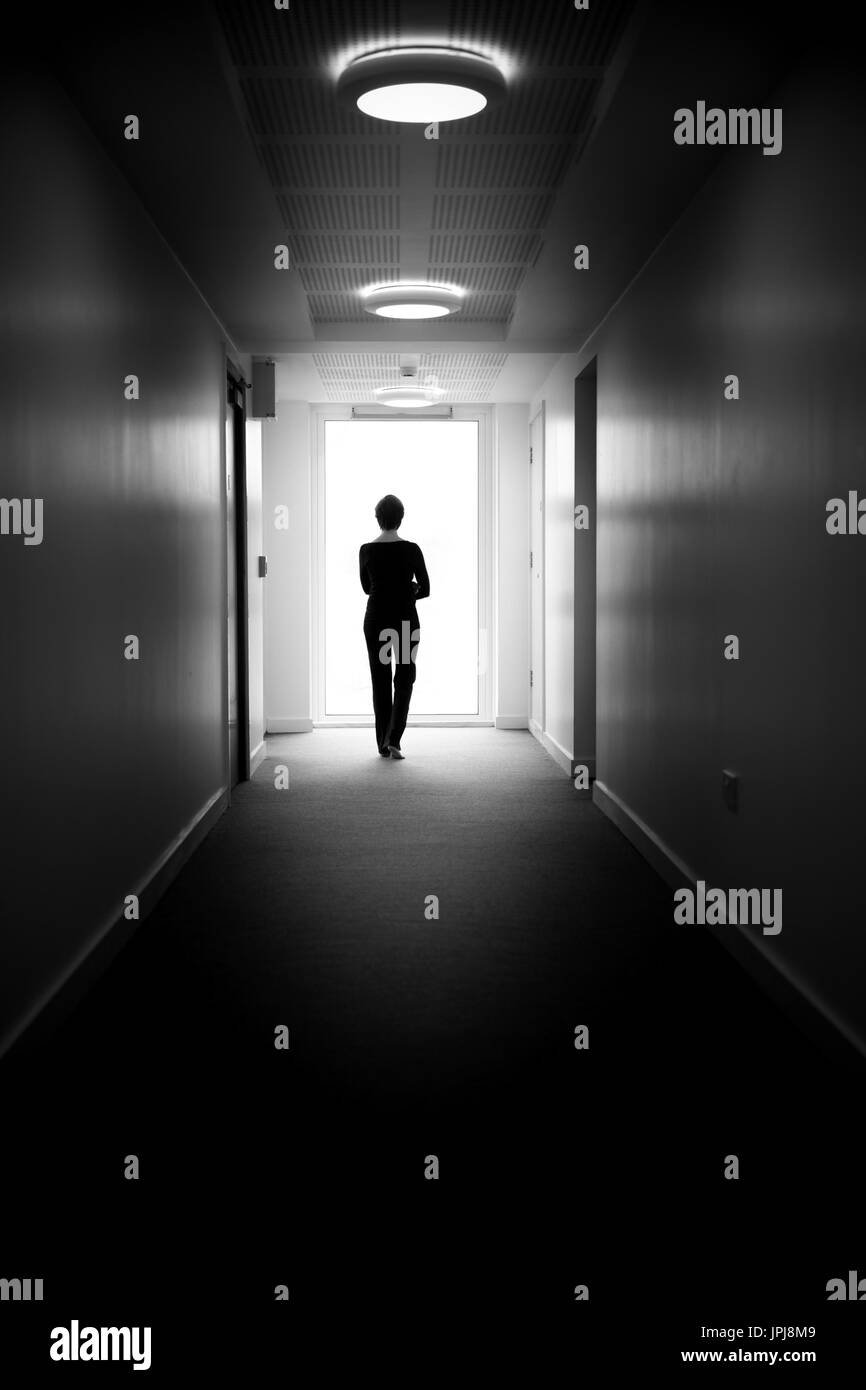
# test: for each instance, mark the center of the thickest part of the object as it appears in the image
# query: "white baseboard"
(511, 721)
(73, 980)
(289, 726)
(666, 864)
(558, 753)
(810, 1013)
(257, 756)
(422, 721)
(550, 745)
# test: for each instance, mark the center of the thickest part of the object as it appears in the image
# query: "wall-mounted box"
(264, 391)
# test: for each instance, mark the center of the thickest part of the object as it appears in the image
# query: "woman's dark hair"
(389, 512)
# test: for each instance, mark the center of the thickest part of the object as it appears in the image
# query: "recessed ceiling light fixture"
(412, 301)
(418, 86)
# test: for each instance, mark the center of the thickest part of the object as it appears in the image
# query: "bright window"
(432, 466)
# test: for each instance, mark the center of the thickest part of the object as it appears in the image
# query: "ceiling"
(244, 146)
(366, 202)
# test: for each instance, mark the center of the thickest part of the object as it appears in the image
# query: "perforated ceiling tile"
(490, 211)
(326, 251)
(336, 308)
(466, 378)
(539, 110)
(284, 108)
(540, 35)
(337, 280)
(307, 35)
(480, 249)
(507, 165)
(318, 213)
(489, 279)
(301, 167)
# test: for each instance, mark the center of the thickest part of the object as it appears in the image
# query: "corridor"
(537, 331)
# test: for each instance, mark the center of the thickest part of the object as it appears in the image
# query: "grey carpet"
(408, 1037)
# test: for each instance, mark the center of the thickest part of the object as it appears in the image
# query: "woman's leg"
(380, 679)
(404, 680)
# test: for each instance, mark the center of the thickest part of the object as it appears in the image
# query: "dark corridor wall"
(111, 760)
(712, 522)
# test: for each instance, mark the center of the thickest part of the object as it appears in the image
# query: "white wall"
(255, 591)
(557, 393)
(511, 592)
(286, 477)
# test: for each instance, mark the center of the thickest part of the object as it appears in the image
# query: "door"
(536, 571)
(238, 719)
(585, 615)
(435, 467)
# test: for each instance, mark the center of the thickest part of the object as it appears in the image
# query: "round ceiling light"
(409, 396)
(419, 86)
(413, 301)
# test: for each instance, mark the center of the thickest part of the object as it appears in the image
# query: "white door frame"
(483, 414)
(536, 471)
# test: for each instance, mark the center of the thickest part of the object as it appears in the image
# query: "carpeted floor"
(306, 907)
(409, 1037)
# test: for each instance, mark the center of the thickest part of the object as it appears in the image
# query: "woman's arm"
(422, 588)
(362, 565)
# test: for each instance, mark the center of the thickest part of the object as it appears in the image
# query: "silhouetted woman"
(393, 573)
